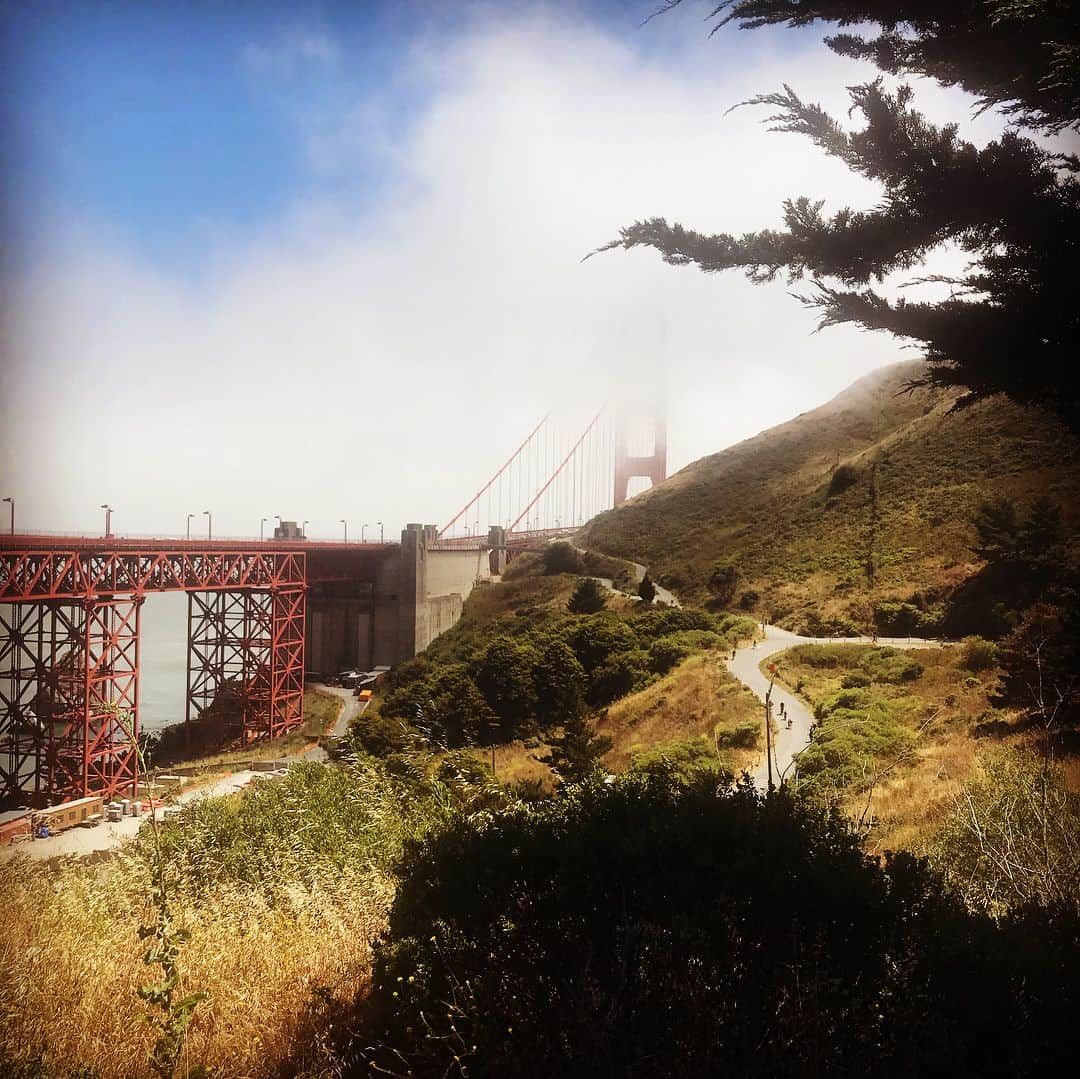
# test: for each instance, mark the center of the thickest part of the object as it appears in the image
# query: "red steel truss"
(247, 649)
(69, 656)
(68, 706)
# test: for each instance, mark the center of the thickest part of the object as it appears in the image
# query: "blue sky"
(157, 117)
(325, 260)
(164, 120)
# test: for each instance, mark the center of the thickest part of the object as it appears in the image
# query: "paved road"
(351, 707)
(108, 835)
(790, 742)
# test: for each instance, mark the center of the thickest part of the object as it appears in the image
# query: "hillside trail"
(790, 741)
(662, 594)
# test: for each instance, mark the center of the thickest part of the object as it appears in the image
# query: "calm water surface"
(163, 660)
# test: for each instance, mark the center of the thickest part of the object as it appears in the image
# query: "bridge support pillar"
(497, 550)
(246, 659)
(69, 674)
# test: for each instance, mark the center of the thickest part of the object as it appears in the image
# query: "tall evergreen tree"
(1011, 323)
(1020, 56)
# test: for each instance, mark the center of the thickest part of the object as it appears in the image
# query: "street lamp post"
(362, 530)
(380, 524)
(209, 524)
(189, 516)
(108, 519)
(277, 517)
(262, 525)
(303, 529)
(11, 502)
(346, 524)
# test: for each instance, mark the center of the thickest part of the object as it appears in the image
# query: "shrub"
(1013, 836)
(855, 680)
(622, 674)
(722, 583)
(588, 598)
(977, 654)
(599, 637)
(562, 557)
(748, 600)
(744, 735)
(667, 652)
(843, 477)
(689, 760)
(890, 665)
(897, 619)
(653, 927)
(647, 590)
(659, 623)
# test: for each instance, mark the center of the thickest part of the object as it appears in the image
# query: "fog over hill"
(865, 500)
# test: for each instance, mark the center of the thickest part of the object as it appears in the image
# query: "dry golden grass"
(71, 962)
(321, 711)
(908, 805)
(515, 762)
(695, 700)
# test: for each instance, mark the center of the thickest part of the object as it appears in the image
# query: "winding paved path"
(745, 667)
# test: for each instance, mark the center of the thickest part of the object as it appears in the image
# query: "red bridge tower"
(652, 465)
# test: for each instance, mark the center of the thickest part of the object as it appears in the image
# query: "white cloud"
(376, 362)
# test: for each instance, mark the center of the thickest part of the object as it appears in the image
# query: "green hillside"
(863, 501)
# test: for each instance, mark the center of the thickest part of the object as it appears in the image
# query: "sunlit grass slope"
(801, 536)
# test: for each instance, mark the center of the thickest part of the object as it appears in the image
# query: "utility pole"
(768, 727)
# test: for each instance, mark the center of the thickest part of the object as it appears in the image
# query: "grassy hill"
(875, 476)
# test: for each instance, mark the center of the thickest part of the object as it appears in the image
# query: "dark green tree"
(1040, 663)
(1042, 534)
(600, 637)
(457, 712)
(577, 748)
(722, 583)
(562, 557)
(559, 682)
(588, 597)
(1020, 56)
(998, 529)
(647, 590)
(1011, 323)
(503, 673)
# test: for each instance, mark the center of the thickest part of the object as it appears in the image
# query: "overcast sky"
(325, 260)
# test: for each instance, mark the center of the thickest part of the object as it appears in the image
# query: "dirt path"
(746, 667)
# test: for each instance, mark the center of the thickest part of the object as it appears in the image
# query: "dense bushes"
(978, 654)
(843, 477)
(653, 928)
(535, 669)
(876, 664)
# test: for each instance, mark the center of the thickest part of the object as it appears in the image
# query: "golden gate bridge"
(70, 606)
